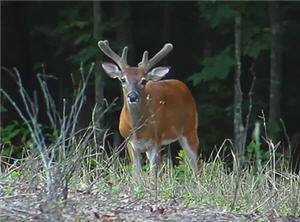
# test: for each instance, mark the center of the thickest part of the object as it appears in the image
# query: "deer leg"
(135, 158)
(136, 161)
(190, 149)
(154, 157)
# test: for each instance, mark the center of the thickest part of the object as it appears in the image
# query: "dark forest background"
(62, 35)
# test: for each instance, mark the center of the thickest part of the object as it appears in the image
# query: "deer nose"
(133, 97)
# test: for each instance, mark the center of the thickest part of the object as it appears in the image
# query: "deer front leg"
(135, 157)
(154, 157)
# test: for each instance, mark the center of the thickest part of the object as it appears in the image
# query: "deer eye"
(143, 81)
(123, 79)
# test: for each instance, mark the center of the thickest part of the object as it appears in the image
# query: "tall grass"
(70, 147)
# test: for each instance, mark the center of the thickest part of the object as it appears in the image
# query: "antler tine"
(121, 62)
(160, 55)
(145, 60)
(155, 59)
(124, 55)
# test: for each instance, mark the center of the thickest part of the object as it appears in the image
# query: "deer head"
(134, 79)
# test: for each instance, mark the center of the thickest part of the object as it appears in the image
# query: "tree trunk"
(275, 69)
(99, 76)
(238, 95)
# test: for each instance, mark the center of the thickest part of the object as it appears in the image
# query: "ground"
(20, 201)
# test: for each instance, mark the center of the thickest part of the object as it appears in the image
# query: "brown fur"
(171, 111)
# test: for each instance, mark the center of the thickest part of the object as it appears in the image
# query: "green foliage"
(11, 131)
(93, 162)
(102, 186)
(257, 158)
(16, 137)
(285, 210)
(251, 150)
(12, 176)
(254, 47)
(204, 199)
(137, 192)
(254, 41)
(166, 193)
(182, 170)
(181, 157)
(146, 166)
(71, 35)
(216, 13)
(60, 202)
(77, 24)
(7, 190)
(274, 128)
(13, 137)
(84, 54)
(215, 67)
(114, 189)
(255, 37)
(15, 174)
(181, 167)
(254, 150)
(51, 134)
(75, 27)
(187, 199)
(3, 109)
(220, 202)
(255, 154)
(82, 38)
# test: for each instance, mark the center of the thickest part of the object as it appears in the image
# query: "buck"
(155, 112)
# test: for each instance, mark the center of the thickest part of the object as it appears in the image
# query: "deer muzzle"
(132, 97)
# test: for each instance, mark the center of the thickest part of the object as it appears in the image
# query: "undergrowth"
(275, 190)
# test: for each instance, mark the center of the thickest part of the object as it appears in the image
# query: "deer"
(155, 112)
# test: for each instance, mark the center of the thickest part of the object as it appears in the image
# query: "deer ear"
(112, 70)
(158, 73)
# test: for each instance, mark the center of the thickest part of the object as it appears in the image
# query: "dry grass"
(110, 193)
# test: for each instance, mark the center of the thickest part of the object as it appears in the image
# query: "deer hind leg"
(190, 146)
